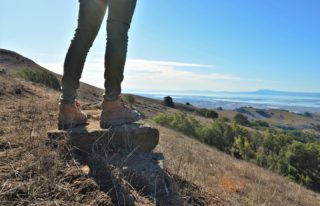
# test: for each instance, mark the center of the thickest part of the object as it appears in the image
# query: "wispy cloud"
(143, 74)
(143, 62)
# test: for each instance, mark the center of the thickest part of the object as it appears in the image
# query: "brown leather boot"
(70, 115)
(116, 113)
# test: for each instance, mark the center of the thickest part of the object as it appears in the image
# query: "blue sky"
(234, 45)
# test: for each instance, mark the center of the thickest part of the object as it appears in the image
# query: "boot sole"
(108, 124)
(145, 142)
(63, 126)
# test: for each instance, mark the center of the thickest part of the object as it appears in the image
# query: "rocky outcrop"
(138, 137)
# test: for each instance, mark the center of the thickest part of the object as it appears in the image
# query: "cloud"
(151, 75)
(164, 75)
(142, 62)
(169, 69)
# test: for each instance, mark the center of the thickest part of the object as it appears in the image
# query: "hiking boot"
(116, 112)
(70, 115)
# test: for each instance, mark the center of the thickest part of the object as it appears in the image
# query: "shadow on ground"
(113, 158)
(137, 178)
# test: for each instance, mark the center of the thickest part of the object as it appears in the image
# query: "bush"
(304, 137)
(40, 76)
(207, 113)
(276, 150)
(225, 119)
(243, 110)
(307, 114)
(274, 142)
(264, 113)
(168, 102)
(241, 119)
(261, 123)
(179, 121)
(242, 148)
(217, 134)
(317, 127)
(302, 164)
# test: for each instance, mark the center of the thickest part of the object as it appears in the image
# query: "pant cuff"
(111, 97)
(66, 101)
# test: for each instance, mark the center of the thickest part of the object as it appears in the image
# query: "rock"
(168, 102)
(18, 91)
(120, 161)
(138, 137)
(3, 71)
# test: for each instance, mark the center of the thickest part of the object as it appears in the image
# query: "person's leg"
(119, 20)
(91, 15)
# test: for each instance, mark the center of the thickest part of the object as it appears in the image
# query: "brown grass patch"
(230, 185)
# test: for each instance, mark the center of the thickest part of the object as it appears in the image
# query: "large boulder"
(135, 136)
(120, 161)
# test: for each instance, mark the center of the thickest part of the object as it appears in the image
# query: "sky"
(175, 45)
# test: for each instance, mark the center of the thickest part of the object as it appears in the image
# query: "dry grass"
(35, 173)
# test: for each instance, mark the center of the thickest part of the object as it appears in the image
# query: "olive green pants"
(91, 15)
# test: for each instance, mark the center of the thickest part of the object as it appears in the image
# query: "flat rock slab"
(135, 136)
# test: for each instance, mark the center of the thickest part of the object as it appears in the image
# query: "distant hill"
(257, 92)
(11, 63)
(284, 93)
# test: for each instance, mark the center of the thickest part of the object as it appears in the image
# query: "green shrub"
(317, 127)
(178, 121)
(217, 134)
(207, 113)
(279, 151)
(40, 76)
(307, 114)
(242, 148)
(304, 137)
(260, 123)
(264, 113)
(243, 110)
(302, 164)
(241, 119)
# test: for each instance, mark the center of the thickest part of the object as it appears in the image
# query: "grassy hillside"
(16, 65)
(31, 172)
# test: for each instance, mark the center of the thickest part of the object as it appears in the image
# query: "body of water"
(294, 103)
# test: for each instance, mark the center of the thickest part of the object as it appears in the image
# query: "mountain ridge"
(258, 92)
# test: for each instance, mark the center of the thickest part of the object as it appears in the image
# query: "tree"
(168, 102)
(207, 113)
(241, 119)
(217, 134)
(242, 148)
(303, 163)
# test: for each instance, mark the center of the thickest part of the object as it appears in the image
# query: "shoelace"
(123, 103)
(77, 103)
